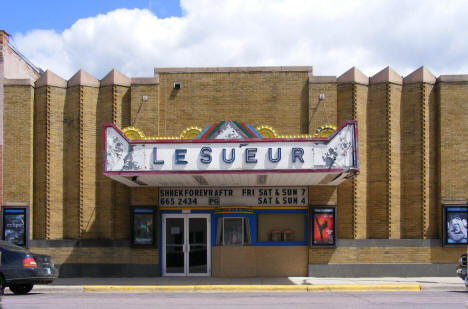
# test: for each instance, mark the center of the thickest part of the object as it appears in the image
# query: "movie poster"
(143, 233)
(456, 224)
(14, 228)
(323, 226)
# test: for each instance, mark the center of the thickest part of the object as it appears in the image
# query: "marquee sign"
(237, 196)
(228, 153)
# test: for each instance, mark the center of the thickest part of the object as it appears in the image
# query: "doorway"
(186, 245)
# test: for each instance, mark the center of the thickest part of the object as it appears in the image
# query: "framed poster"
(15, 225)
(323, 227)
(454, 223)
(143, 226)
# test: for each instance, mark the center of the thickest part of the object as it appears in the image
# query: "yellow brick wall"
(377, 167)
(121, 193)
(360, 98)
(259, 261)
(71, 170)
(453, 137)
(97, 255)
(105, 203)
(394, 161)
(56, 162)
(89, 210)
(278, 99)
(322, 195)
(144, 196)
(432, 213)
(321, 112)
(40, 158)
(350, 255)
(18, 126)
(121, 109)
(145, 115)
(49, 163)
(345, 210)
(405, 135)
(411, 158)
(122, 211)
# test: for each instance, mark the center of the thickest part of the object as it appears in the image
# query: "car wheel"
(21, 289)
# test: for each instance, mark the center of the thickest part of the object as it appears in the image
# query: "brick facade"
(410, 143)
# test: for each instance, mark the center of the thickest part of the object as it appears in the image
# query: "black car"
(21, 269)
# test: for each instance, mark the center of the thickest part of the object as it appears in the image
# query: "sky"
(333, 36)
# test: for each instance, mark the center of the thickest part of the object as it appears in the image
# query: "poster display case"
(454, 225)
(323, 227)
(15, 228)
(143, 223)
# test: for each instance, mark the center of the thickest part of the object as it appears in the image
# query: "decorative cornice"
(114, 77)
(353, 75)
(49, 78)
(421, 75)
(387, 75)
(83, 78)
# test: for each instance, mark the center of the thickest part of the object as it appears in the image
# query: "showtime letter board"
(237, 196)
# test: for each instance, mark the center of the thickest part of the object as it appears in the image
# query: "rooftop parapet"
(353, 75)
(453, 78)
(386, 75)
(114, 77)
(83, 78)
(49, 78)
(18, 82)
(421, 75)
(234, 69)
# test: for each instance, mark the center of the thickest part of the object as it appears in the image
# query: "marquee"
(230, 159)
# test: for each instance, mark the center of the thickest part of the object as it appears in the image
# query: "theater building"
(238, 172)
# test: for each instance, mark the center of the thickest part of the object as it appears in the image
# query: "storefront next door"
(186, 245)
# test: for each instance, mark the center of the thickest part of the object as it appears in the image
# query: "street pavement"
(244, 300)
(212, 284)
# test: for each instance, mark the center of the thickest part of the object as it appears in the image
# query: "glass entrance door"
(186, 246)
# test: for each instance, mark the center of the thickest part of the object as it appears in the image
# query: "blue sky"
(136, 36)
(26, 15)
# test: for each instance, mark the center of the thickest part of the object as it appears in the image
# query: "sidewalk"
(210, 284)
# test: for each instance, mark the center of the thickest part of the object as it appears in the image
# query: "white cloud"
(332, 36)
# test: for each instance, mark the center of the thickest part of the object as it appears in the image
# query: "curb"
(252, 288)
